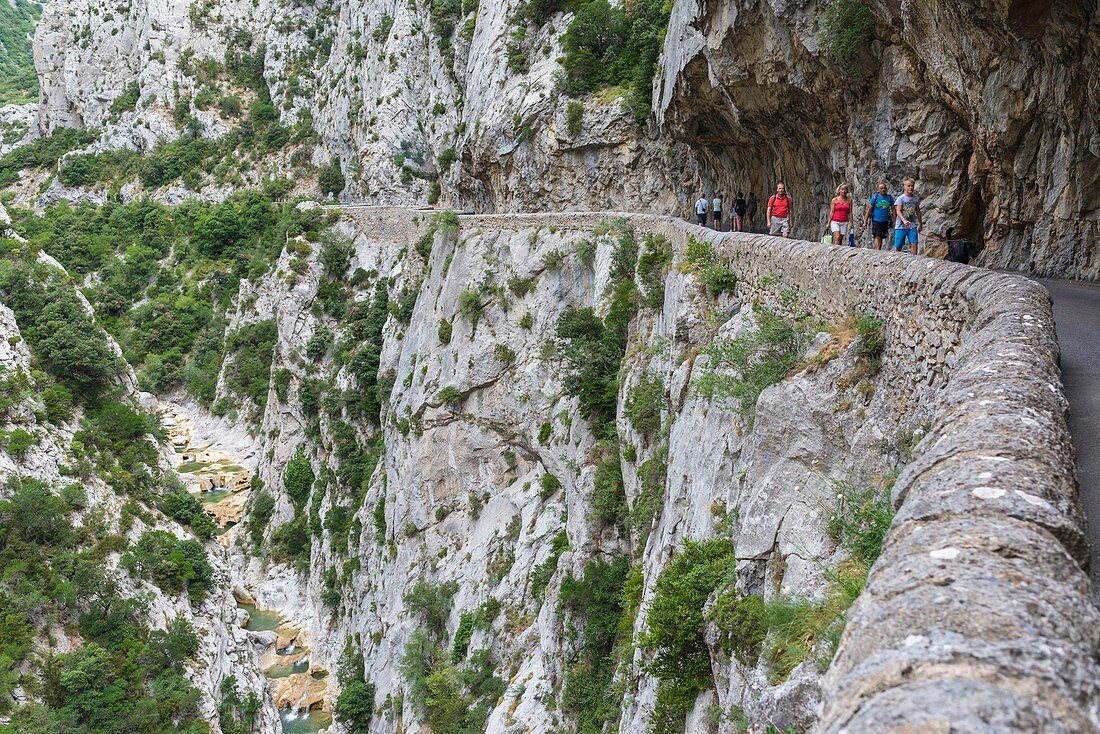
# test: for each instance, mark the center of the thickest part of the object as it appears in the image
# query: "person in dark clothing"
(739, 208)
(750, 212)
(959, 250)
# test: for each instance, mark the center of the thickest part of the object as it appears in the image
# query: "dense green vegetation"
(701, 260)
(124, 677)
(592, 349)
(740, 369)
(165, 277)
(18, 81)
(847, 26)
(298, 478)
(191, 159)
(615, 45)
(42, 152)
(248, 374)
(355, 705)
(172, 564)
(676, 625)
(597, 604)
(66, 341)
(450, 697)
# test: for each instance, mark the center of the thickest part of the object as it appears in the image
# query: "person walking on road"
(909, 221)
(840, 215)
(779, 212)
(716, 212)
(701, 210)
(880, 211)
(739, 207)
(750, 212)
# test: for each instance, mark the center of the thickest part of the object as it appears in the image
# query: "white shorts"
(841, 227)
(780, 225)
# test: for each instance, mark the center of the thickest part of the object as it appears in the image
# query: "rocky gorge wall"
(991, 107)
(982, 583)
(223, 649)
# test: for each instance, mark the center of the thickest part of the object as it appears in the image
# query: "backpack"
(961, 251)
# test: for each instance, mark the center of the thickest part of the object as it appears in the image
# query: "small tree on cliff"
(331, 179)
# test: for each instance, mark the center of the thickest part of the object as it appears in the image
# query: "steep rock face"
(459, 483)
(990, 108)
(224, 648)
(390, 89)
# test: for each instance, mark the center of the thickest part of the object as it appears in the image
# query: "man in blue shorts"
(909, 221)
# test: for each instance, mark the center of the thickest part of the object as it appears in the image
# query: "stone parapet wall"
(979, 615)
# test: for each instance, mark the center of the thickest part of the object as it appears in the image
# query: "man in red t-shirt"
(779, 212)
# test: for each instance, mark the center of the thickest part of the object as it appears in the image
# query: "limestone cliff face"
(993, 108)
(224, 648)
(460, 480)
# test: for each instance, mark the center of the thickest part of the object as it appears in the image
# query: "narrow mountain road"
(1077, 319)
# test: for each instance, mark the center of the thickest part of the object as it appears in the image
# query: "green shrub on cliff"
(18, 81)
(615, 45)
(172, 564)
(740, 369)
(596, 605)
(846, 27)
(675, 628)
(249, 372)
(355, 706)
(298, 478)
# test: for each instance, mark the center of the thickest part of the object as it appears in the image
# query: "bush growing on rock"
(449, 395)
(643, 408)
(172, 564)
(331, 179)
(336, 254)
(740, 369)
(846, 27)
(434, 602)
(652, 268)
(263, 506)
(249, 372)
(298, 478)
(355, 706)
(608, 45)
(596, 601)
(574, 117)
(18, 442)
(675, 628)
(236, 713)
(608, 494)
(318, 344)
(185, 508)
(871, 343)
(700, 259)
(444, 332)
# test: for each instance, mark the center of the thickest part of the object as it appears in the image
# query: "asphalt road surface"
(1077, 319)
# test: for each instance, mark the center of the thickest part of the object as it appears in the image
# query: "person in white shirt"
(701, 210)
(716, 211)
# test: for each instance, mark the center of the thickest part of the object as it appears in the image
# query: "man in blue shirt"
(880, 211)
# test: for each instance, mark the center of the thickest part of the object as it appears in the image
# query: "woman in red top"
(840, 214)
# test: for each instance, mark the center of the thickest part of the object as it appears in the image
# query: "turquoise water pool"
(282, 671)
(304, 723)
(209, 498)
(261, 620)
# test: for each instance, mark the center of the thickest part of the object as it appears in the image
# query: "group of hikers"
(894, 222)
